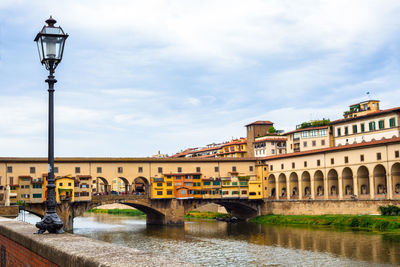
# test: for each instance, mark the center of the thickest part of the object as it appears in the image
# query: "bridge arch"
(348, 184)
(395, 171)
(126, 184)
(306, 184)
(380, 181)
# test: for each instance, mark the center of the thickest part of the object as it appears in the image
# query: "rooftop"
(261, 123)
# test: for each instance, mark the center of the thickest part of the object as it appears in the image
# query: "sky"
(140, 77)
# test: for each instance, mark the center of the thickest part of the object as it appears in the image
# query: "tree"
(271, 129)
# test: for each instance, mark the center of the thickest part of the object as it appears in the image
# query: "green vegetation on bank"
(361, 222)
(205, 215)
(389, 210)
(127, 212)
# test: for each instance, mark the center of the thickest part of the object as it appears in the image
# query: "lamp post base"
(50, 222)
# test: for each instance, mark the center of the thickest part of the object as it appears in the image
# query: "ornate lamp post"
(50, 42)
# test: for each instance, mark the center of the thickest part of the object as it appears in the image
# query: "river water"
(212, 243)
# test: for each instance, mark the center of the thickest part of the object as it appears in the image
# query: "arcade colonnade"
(139, 185)
(368, 181)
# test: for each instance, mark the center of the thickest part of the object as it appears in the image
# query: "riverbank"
(126, 212)
(361, 222)
(205, 215)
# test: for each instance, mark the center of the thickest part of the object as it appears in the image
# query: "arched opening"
(396, 179)
(282, 186)
(294, 185)
(271, 186)
(333, 183)
(140, 186)
(348, 185)
(120, 186)
(319, 184)
(239, 210)
(306, 184)
(363, 182)
(380, 181)
(102, 186)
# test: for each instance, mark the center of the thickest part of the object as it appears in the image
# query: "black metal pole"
(51, 221)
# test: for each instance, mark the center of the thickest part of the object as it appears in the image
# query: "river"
(212, 243)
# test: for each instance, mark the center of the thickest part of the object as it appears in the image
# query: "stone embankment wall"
(9, 211)
(319, 207)
(21, 247)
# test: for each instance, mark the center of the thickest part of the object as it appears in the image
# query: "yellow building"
(65, 188)
(162, 187)
(234, 149)
(362, 108)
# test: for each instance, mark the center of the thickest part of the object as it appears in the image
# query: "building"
(308, 138)
(366, 126)
(236, 148)
(362, 108)
(269, 145)
(254, 130)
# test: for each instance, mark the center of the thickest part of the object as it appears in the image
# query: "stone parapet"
(71, 250)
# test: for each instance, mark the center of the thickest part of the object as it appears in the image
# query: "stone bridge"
(158, 211)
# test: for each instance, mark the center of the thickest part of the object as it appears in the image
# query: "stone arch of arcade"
(141, 186)
(395, 173)
(306, 184)
(102, 185)
(293, 185)
(272, 186)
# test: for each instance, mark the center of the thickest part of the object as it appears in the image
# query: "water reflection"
(219, 243)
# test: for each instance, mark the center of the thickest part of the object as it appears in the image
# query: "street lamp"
(50, 42)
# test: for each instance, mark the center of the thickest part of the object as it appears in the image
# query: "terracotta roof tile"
(261, 123)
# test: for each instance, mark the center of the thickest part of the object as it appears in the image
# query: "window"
(120, 170)
(396, 154)
(55, 169)
(305, 163)
(378, 156)
(198, 169)
(371, 126)
(338, 132)
(11, 180)
(314, 133)
(362, 125)
(354, 128)
(36, 186)
(159, 169)
(9, 169)
(216, 169)
(69, 184)
(323, 132)
(346, 159)
(77, 169)
(250, 168)
(304, 134)
(98, 169)
(282, 166)
(293, 165)
(76, 194)
(169, 184)
(392, 122)
(159, 184)
(322, 142)
(140, 169)
(346, 130)
(305, 144)
(361, 157)
(318, 162)
(233, 168)
(32, 169)
(381, 124)
(61, 184)
(24, 195)
(37, 195)
(271, 167)
(314, 143)
(332, 161)
(272, 151)
(159, 193)
(169, 192)
(179, 169)
(296, 136)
